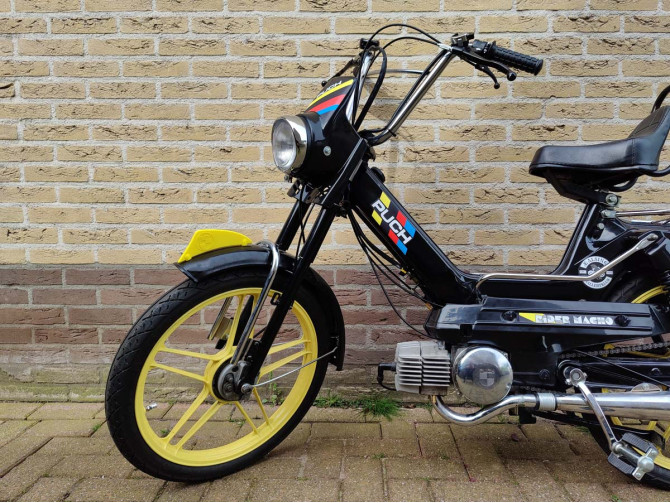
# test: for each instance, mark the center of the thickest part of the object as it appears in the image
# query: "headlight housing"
(289, 143)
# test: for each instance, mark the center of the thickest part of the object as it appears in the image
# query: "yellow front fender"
(205, 240)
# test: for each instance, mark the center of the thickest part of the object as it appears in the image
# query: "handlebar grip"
(515, 59)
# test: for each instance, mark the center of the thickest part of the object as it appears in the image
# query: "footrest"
(620, 464)
(637, 442)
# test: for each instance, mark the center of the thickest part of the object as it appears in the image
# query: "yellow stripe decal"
(331, 91)
(385, 199)
(377, 217)
(530, 316)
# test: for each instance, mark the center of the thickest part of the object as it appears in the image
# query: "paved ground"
(63, 451)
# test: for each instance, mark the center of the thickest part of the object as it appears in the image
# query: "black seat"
(606, 165)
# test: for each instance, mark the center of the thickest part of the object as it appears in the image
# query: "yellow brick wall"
(127, 124)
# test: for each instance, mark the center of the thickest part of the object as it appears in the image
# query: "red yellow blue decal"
(331, 97)
(400, 229)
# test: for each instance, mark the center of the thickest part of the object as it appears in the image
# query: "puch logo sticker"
(573, 319)
(401, 231)
(592, 264)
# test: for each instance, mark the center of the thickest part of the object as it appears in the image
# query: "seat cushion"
(637, 153)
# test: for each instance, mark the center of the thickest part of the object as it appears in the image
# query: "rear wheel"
(163, 412)
(638, 291)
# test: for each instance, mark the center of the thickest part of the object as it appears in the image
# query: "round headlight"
(289, 143)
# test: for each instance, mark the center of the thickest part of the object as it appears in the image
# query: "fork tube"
(291, 225)
(308, 254)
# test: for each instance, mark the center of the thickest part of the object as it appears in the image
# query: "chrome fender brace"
(625, 453)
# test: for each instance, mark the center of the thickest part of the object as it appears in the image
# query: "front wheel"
(162, 409)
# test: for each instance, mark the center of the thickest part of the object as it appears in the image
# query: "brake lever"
(487, 71)
(480, 62)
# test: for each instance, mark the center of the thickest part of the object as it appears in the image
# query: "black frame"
(356, 187)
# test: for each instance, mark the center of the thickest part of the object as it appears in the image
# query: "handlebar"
(480, 54)
(508, 57)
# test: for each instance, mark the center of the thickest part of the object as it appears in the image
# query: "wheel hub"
(226, 382)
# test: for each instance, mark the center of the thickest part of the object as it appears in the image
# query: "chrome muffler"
(646, 406)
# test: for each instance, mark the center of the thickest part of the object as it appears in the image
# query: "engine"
(482, 374)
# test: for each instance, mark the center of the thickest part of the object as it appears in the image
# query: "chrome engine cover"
(422, 367)
(483, 375)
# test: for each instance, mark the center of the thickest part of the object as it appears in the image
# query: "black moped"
(248, 336)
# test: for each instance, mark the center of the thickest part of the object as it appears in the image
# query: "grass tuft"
(380, 406)
(373, 405)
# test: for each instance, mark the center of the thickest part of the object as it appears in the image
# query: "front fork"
(304, 261)
(242, 374)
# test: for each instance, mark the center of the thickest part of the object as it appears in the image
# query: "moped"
(247, 338)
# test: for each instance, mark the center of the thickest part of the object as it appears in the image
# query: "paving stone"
(100, 430)
(574, 433)
(295, 444)
(482, 462)
(67, 411)
(633, 491)
(295, 490)
(437, 468)
(11, 429)
(115, 490)
(436, 440)
(390, 448)
(587, 491)
(49, 489)
(325, 447)
(334, 415)
(409, 490)
(17, 410)
(273, 468)
(535, 481)
(65, 427)
(177, 491)
(362, 469)
(475, 491)
(398, 428)
(369, 490)
(418, 414)
(85, 445)
(24, 475)
(488, 431)
(328, 468)
(542, 430)
(596, 469)
(15, 451)
(228, 489)
(93, 465)
(537, 450)
(345, 430)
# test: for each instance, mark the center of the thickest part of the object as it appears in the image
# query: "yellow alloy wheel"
(173, 444)
(663, 429)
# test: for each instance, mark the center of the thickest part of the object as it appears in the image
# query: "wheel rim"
(179, 444)
(662, 429)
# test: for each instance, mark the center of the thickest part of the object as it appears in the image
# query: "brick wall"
(127, 124)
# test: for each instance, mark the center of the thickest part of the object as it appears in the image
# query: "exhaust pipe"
(647, 406)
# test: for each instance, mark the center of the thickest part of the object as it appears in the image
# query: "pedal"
(626, 455)
(620, 464)
(637, 442)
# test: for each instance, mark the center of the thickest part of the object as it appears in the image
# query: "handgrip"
(514, 59)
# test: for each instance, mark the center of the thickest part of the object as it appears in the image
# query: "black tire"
(626, 292)
(134, 350)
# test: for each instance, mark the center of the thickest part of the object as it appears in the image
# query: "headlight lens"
(289, 143)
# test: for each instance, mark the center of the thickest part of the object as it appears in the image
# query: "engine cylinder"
(483, 375)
